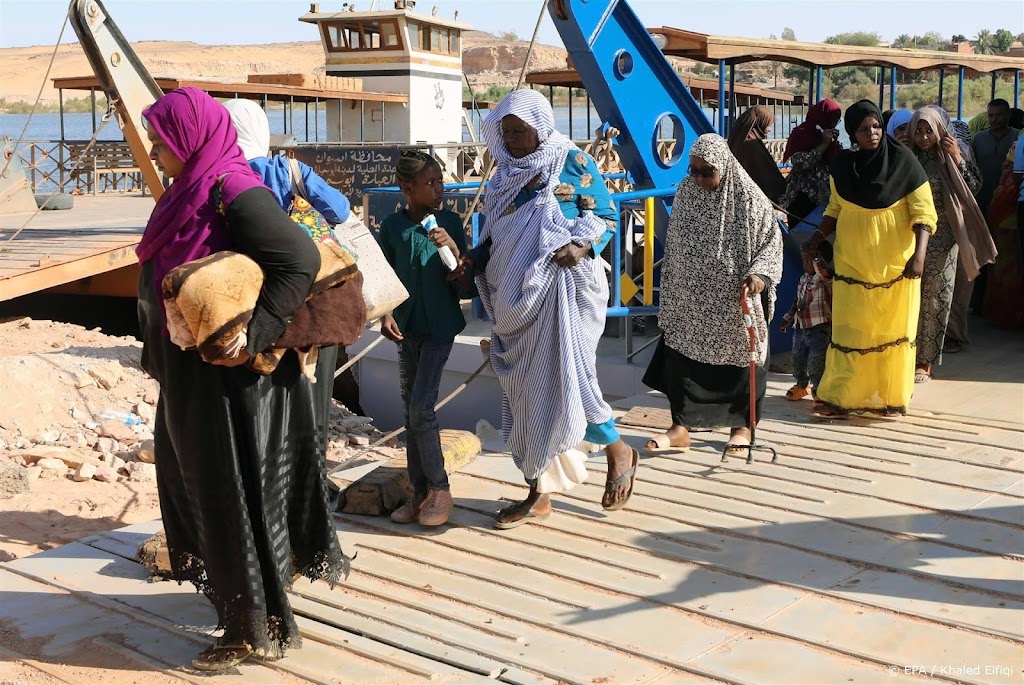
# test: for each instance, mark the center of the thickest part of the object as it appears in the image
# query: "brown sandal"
(663, 442)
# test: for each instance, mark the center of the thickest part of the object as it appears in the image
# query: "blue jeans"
(421, 362)
(809, 348)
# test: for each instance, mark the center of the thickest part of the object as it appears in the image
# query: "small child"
(811, 316)
(424, 326)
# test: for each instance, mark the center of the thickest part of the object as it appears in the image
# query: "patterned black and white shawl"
(715, 240)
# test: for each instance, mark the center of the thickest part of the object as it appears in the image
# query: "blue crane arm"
(632, 86)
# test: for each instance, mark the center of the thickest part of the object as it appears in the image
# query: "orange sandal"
(797, 392)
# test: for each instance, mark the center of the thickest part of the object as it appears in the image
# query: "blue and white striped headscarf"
(513, 174)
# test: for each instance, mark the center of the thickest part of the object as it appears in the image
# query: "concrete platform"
(870, 553)
(96, 239)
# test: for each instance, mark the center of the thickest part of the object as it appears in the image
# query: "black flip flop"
(614, 484)
(530, 517)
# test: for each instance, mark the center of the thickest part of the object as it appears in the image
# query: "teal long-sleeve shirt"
(432, 309)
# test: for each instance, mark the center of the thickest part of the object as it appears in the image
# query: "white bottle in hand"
(430, 223)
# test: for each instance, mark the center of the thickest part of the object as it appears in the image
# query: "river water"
(79, 126)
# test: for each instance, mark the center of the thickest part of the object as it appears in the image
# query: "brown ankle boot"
(408, 512)
(436, 508)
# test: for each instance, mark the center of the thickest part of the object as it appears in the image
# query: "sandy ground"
(56, 380)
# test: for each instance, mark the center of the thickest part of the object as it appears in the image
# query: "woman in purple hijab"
(240, 457)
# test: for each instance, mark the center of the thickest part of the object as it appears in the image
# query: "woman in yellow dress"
(882, 212)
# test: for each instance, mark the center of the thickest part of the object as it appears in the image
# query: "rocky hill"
(488, 60)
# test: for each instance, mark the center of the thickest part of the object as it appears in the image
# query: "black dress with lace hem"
(240, 462)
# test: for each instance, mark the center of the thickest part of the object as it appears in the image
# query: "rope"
(522, 77)
(362, 353)
(398, 431)
(39, 96)
(103, 122)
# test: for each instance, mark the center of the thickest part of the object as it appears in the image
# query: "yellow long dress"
(869, 366)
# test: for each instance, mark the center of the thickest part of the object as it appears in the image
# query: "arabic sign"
(352, 170)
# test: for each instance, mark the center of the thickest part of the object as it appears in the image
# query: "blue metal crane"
(633, 88)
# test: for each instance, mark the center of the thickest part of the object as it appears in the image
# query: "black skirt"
(240, 463)
(703, 395)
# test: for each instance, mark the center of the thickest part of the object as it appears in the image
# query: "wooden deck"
(870, 553)
(96, 237)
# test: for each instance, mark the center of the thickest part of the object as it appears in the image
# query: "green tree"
(1002, 40)
(983, 43)
(861, 38)
(788, 34)
(903, 41)
(959, 38)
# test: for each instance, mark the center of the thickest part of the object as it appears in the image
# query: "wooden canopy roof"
(744, 91)
(219, 89)
(735, 50)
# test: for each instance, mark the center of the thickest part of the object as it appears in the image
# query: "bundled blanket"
(210, 301)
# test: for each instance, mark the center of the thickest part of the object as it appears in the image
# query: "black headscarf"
(875, 179)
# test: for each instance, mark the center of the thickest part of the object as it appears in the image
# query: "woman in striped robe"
(543, 285)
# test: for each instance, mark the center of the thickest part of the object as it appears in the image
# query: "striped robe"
(547, 323)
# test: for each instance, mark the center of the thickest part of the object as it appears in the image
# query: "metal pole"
(307, 121)
(316, 120)
(821, 94)
(648, 255)
(60, 103)
(1016, 87)
(892, 88)
(570, 113)
(589, 130)
(881, 87)
(341, 108)
(291, 111)
(994, 77)
(92, 99)
(721, 97)
(942, 83)
(960, 94)
(383, 135)
(732, 97)
(362, 121)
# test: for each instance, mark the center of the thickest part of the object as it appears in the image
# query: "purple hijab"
(185, 224)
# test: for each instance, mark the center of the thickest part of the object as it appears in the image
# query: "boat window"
(353, 37)
(371, 35)
(362, 35)
(334, 36)
(414, 35)
(389, 35)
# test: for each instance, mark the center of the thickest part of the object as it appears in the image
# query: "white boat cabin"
(398, 51)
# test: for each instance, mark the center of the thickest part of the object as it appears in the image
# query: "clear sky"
(37, 22)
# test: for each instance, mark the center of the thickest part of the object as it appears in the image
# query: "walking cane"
(748, 321)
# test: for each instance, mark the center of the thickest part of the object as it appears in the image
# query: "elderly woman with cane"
(722, 241)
